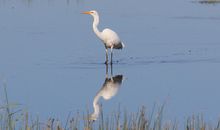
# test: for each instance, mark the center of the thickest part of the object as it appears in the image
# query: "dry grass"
(14, 118)
(140, 120)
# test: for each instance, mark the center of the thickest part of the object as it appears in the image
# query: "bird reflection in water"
(108, 90)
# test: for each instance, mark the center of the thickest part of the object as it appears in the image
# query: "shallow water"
(53, 63)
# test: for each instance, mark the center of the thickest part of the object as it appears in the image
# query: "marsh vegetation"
(14, 117)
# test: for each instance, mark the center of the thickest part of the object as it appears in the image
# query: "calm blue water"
(52, 61)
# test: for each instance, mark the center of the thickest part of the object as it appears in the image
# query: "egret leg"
(111, 70)
(111, 54)
(106, 71)
(106, 56)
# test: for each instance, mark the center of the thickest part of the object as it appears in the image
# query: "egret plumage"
(108, 90)
(110, 38)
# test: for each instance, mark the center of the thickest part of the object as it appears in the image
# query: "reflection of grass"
(209, 1)
(11, 119)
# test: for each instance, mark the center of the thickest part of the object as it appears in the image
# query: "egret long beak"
(86, 12)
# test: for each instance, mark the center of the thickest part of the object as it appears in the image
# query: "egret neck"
(95, 28)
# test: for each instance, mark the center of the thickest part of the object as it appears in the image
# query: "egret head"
(92, 12)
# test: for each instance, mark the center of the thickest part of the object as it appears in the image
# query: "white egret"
(107, 36)
(108, 90)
